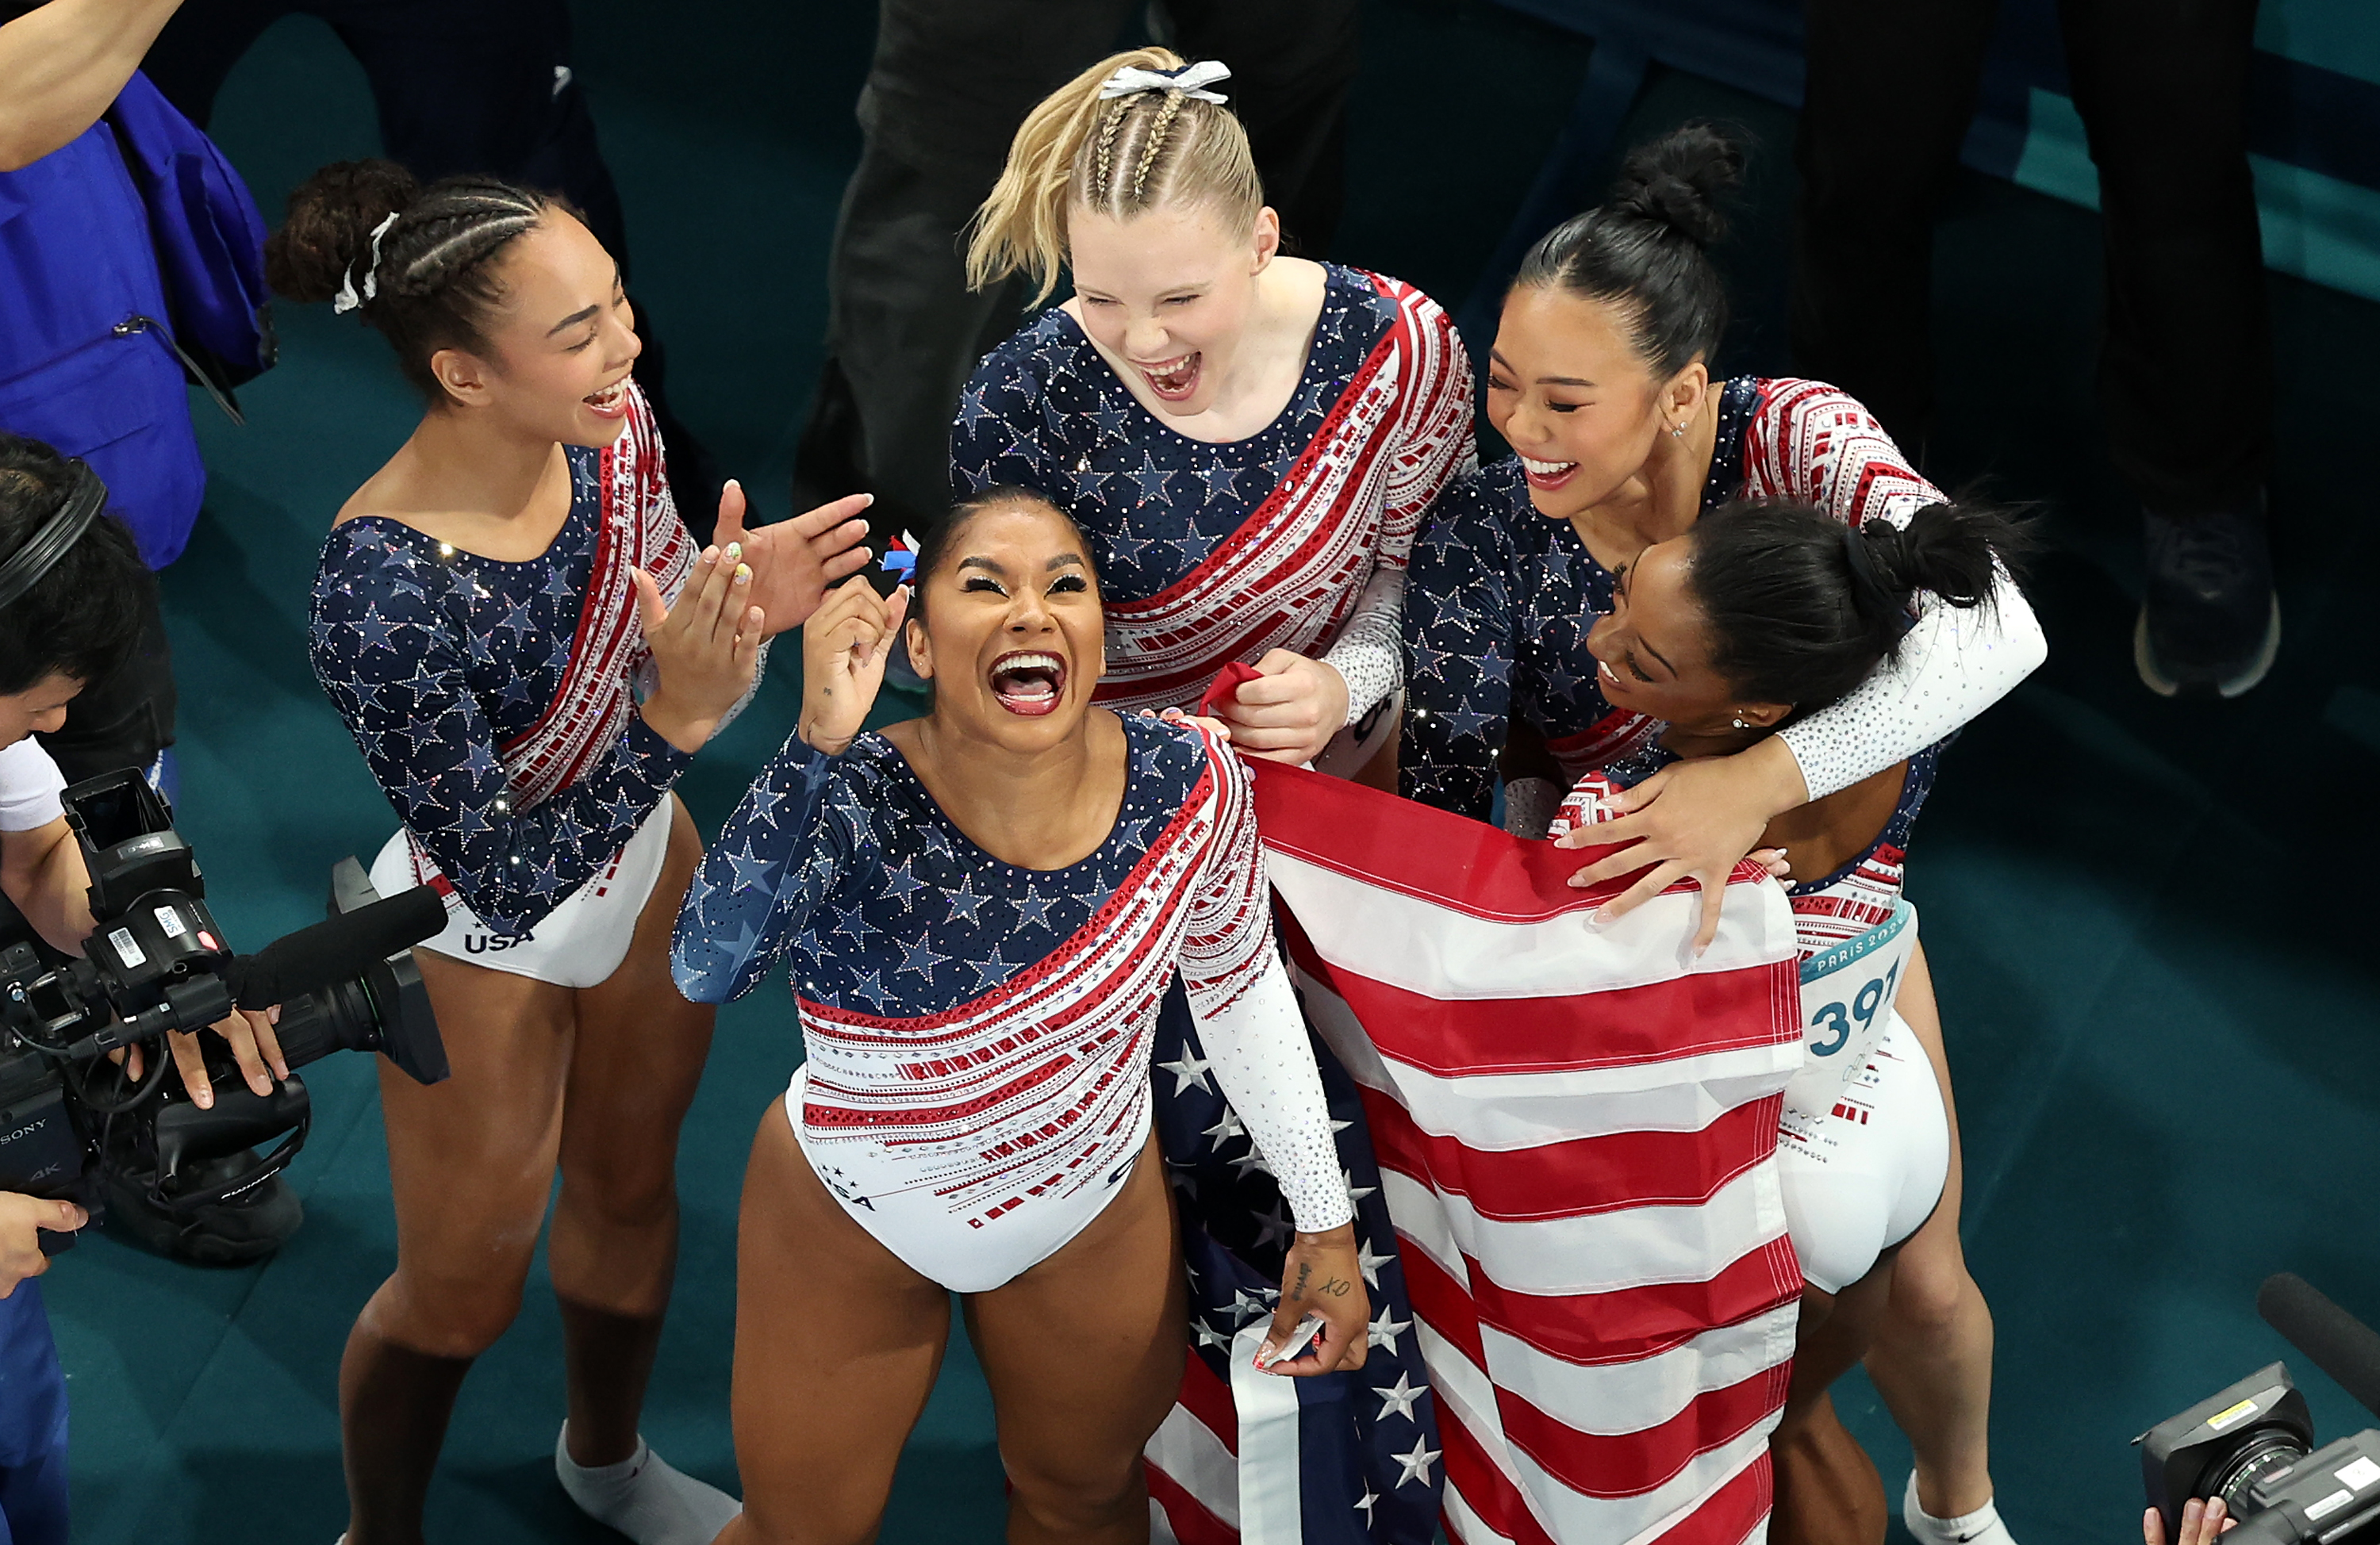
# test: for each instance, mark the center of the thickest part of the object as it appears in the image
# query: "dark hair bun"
(331, 215)
(1677, 180)
(1950, 550)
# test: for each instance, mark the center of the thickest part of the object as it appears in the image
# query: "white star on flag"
(1384, 1331)
(1224, 1129)
(1189, 1072)
(1250, 1160)
(1370, 1263)
(1398, 1399)
(1272, 1227)
(1363, 1505)
(1417, 1464)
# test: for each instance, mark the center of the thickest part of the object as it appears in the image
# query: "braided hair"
(1116, 156)
(437, 273)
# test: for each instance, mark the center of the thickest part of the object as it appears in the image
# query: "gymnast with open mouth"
(1248, 439)
(982, 911)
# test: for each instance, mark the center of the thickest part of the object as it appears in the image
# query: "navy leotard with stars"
(436, 657)
(888, 909)
(978, 1034)
(1497, 617)
(1044, 411)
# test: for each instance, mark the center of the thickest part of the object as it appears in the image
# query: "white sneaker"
(1983, 1526)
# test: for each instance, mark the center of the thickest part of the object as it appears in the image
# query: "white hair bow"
(346, 299)
(1190, 80)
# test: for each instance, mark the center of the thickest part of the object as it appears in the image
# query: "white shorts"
(1865, 1173)
(579, 944)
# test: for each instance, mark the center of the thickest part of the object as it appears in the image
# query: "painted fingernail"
(1600, 916)
(743, 573)
(711, 555)
(735, 551)
(736, 483)
(1701, 950)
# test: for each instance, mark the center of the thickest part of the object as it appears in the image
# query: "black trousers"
(460, 86)
(2185, 365)
(950, 82)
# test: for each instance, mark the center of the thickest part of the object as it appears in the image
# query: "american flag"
(1337, 1459)
(1575, 1130)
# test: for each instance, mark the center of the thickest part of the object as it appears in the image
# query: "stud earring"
(1740, 724)
(1679, 432)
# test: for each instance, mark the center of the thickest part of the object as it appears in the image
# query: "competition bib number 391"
(1847, 994)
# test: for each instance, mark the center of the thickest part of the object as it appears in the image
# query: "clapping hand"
(794, 562)
(705, 648)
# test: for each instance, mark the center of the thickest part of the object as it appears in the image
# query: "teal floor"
(2147, 919)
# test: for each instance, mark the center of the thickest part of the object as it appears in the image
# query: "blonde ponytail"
(1116, 156)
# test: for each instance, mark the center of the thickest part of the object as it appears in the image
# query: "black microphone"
(2340, 1344)
(336, 948)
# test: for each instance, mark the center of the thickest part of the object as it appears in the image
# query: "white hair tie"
(1190, 80)
(346, 299)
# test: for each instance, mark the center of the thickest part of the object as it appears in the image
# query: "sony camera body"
(157, 962)
(2252, 1445)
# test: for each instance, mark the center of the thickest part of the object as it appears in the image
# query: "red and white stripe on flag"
(1576, 1128)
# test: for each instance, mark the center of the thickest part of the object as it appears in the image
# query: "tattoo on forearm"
(1297, 1292)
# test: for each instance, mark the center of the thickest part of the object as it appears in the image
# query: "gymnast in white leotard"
(982, 911)
(1759, 614)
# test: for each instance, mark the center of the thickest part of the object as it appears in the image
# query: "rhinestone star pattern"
(1496, 616)
(437, 657)
(1044, 411)
(978, 1034)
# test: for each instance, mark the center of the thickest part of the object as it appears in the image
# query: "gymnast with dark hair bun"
(527, 649)
(1757, 617)
(1602, 379)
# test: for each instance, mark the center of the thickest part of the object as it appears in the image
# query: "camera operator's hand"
(705, 647)
(22, 1218)
(253, 1046)
(2201, 1522)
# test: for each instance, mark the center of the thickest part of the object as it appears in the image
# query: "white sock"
(1983, 1526)
(644, 1497)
